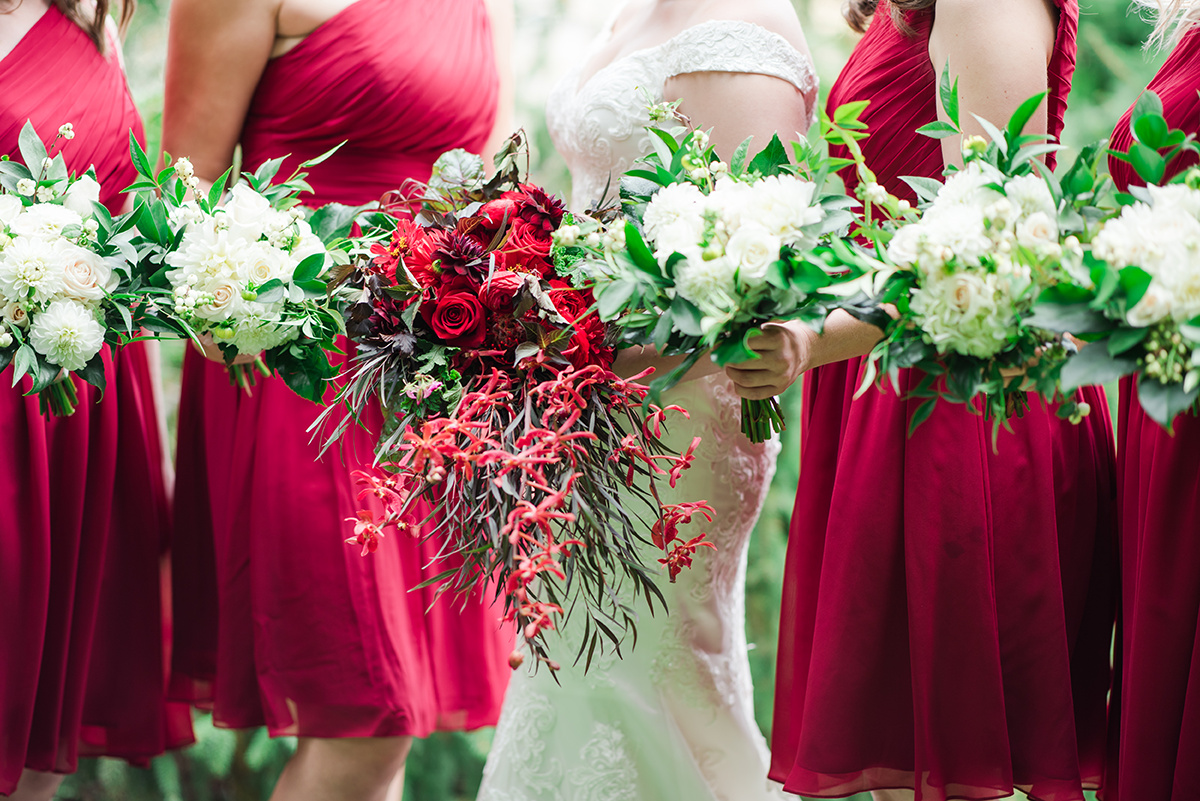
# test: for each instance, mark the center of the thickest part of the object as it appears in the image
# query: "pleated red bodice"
(279, 622)
(1155, 750)
(947, 609)
(83, 502)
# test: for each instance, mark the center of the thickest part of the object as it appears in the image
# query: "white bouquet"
(246, 273)
(62, 271)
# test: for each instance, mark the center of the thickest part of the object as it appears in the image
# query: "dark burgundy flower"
(499, 291)
(537, 208)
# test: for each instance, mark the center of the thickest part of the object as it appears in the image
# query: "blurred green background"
(243, 766)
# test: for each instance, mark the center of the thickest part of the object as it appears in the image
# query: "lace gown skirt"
(673, 717)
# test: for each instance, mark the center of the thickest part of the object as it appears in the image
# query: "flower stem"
(761, 419)
(246, 375)
(60, 398)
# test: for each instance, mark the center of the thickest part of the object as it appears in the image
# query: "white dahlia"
(67, 334)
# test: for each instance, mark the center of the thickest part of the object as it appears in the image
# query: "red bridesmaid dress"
(947, 610)
(1155, 751)
(84, 518)
(278, 621)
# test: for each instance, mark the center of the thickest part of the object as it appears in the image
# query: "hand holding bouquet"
(476, 333)
(63, 275)
(246, 272)
(709, 251)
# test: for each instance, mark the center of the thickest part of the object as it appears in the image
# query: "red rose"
(495, 213)
(571, 303)
(526, 249)
(500, 290)
(456, 317)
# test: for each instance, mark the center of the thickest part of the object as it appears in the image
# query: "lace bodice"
(672, 717)
(599, 125)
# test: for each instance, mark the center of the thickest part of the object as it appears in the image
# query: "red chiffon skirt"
(278, 621)
(1155, 754)
(947, 611)
(83, 526)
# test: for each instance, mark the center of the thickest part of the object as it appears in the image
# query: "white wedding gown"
(674, 718)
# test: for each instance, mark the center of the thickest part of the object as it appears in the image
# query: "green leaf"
(218, 189)
(926, 188)
(612, 298)
(309, 269)
(333, 221)
(141, 161)
(736, 349)
(24, 363)
(267, 171)
(93, 372)
(271, 291)
(1023, 114)
(638, 251)
(1149, 166)
(1094, 365)
(948, 90)
(738, 164)
(686, 317)
(304, 165)
(772, 158)
(1151, 129)
(1147, 104)
(921, 414)
(848, 113)
(33, 152)
(1135, 282)
(1123, 339)
(1075, 318)
(938, 130)
(1163, 402)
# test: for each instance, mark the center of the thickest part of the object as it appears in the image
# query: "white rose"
(754, 249)
(1154, 307)
(67, 334)
(247, 213)
(1037, 231)
(10, 208)
(86, 276)
(263, 264)
(45, 220)
(15, 315)
(226, 301)
(81, 194)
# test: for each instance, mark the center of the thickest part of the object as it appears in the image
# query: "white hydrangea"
(254, 335)
(67, 334)
(783, 204)
(1164, 240)
(965, 312)
(31, 268)
(45, 220)
(673, 207)
(708, 283)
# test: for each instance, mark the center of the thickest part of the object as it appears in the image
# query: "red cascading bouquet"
(476, 333)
